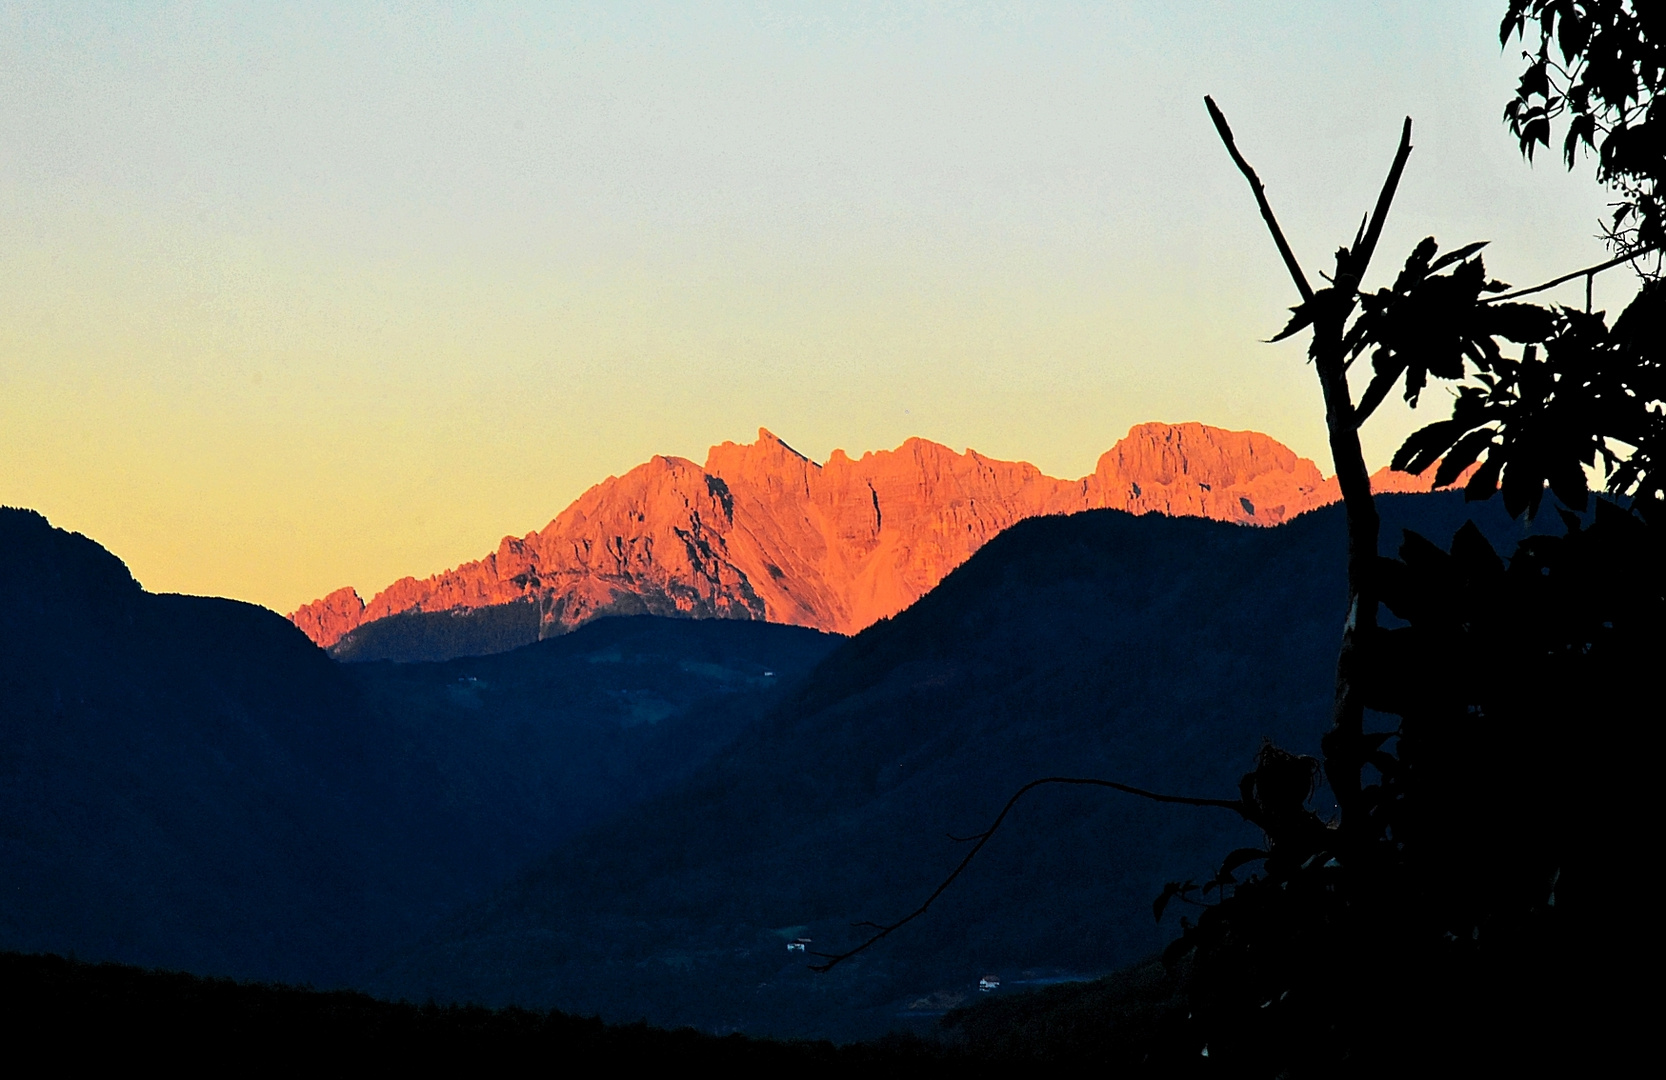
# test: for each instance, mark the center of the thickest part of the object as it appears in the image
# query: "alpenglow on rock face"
(762, 532)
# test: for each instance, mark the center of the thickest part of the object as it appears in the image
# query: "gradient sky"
(298, 296)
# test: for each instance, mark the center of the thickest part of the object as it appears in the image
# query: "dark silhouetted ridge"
(188, 782)
(1153, 650)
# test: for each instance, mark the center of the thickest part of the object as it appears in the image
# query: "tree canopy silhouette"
(1490, 731)
(1456, 901)
(1598, 65)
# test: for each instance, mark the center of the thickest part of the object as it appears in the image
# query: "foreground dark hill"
(167, 771)
(1156, 651)
(189, 782)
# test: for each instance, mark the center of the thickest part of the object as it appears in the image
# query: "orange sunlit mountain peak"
(763, 532)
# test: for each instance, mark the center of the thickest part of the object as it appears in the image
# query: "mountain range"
(761, 532)
(635, 818)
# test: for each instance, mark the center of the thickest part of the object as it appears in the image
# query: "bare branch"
(982, 838)
(1587, 273)
(1360, 257)
(1290, 262)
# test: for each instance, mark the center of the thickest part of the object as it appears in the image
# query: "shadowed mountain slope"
(535, 744)
(1156, 651)
(762, 532)
(189, 782)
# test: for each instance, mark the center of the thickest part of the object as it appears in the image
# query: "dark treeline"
(76, 1011)
(1133, 1023)
(418, 636)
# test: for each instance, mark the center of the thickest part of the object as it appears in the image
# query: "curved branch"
(982, 838)
(1290, 262)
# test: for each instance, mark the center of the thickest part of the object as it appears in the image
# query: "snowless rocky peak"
(327, 620)
(763, 532)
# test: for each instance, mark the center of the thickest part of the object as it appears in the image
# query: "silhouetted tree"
(1488, 746)
(1456, 903)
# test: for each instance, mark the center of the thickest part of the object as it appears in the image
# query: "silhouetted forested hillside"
(428, 636)
(1156, 651)
(188, 782)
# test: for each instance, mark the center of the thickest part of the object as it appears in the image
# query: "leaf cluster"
(1600, 65)
(1580, 396)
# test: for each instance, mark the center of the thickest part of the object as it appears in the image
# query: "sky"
(309, 295)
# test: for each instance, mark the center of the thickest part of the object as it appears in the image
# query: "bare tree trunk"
(1343, 745)
(1328, 311)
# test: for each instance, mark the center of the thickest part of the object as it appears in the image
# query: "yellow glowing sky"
(292, 299)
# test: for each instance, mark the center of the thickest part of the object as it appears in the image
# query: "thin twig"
(1589, 271)
(1290, 262)
(983, 838)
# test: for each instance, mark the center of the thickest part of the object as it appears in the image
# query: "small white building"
(798, 946)
(989, 982)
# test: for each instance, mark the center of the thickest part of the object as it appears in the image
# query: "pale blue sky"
(307, 295)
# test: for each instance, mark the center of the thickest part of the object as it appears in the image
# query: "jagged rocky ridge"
(762, 532)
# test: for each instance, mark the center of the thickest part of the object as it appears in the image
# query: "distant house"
(989, 982)
(798, 946)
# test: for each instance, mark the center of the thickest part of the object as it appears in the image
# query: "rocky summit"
(762, 532)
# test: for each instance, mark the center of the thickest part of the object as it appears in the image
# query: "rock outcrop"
(327, 620)
(1191, 470)
(762, 532)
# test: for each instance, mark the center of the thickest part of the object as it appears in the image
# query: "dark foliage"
(1465, 908)
(1461, 906)
(1599, 64)
(1592, 400)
